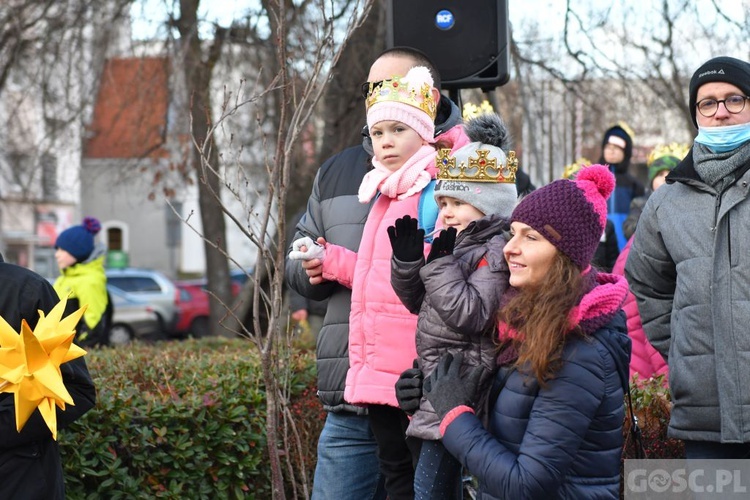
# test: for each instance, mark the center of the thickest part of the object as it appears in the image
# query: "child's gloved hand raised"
(443, 244)
(409, 389)
(445, 389)
(407, 240)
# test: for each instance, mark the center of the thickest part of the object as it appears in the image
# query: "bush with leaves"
(183, 420)
(652, 404)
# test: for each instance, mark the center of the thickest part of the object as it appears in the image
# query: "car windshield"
(134, 283)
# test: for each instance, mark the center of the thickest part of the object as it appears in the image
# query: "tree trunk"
(198, 68)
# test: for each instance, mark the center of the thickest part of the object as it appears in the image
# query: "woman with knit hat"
(555, 429)
(83, 282)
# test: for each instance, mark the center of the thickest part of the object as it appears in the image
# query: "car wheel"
(120, 334)
(199, 327)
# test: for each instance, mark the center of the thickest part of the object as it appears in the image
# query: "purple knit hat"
(570, 214)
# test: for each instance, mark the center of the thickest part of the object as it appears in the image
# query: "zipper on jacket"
(717, 206)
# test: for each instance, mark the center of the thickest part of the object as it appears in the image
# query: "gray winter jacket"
(689, 269)
(457, 300)
(334, 212)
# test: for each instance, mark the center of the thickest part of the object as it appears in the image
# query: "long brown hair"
(539, 316)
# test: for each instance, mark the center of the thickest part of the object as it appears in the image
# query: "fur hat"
(407, 100)
(78, 241)
(570, 214)
(496, 195)
(719, 69)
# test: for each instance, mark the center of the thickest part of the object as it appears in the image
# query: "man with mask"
(689, 268)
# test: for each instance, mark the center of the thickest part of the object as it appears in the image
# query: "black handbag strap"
(635, 430)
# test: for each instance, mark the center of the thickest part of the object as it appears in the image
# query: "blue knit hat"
(78, 241)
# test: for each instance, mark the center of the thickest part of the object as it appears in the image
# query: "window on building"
(114, 238)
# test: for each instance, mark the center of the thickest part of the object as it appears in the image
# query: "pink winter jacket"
(645, 361)
(381, 330)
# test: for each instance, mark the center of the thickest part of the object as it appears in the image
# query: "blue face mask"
(723, 139)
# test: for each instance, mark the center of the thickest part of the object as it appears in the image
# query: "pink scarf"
(411, 178)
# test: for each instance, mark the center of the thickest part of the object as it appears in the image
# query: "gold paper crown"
(480, 168)
(397, 89)
(472, 110)
(572, 169)
(675, 149)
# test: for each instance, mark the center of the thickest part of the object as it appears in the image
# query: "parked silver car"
(132, 319)
(152, 287)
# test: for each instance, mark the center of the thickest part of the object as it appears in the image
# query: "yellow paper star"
(30, 364)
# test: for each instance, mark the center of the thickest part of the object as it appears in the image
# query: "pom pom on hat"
(78, 241)
(488, 128)
(570, 214)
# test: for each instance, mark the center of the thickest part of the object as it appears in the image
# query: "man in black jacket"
(30, 466)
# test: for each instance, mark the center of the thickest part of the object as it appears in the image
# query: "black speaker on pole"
(466, 39)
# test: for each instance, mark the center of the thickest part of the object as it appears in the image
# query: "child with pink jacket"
(400, 117)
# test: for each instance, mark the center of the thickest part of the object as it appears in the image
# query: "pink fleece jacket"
(381, 330)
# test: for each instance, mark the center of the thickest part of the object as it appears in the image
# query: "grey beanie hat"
(480, 173)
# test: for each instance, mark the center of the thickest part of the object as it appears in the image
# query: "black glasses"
(367, 87)
(734, 104)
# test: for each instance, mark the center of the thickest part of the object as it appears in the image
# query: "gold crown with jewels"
(479, 168)
(415, 89)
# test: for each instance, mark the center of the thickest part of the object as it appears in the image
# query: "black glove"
(445, 389)
(443, 244)
(409, 389)
(406, 240)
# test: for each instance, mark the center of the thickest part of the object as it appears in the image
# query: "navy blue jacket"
(564, 440)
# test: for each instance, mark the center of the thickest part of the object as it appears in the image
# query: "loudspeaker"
(466, 39)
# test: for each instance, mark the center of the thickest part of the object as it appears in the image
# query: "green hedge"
(181, 420)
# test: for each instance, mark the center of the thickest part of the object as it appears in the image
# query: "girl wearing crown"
(457, 290)
(400, 117)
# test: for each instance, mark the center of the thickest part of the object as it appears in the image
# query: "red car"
(193, 306)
